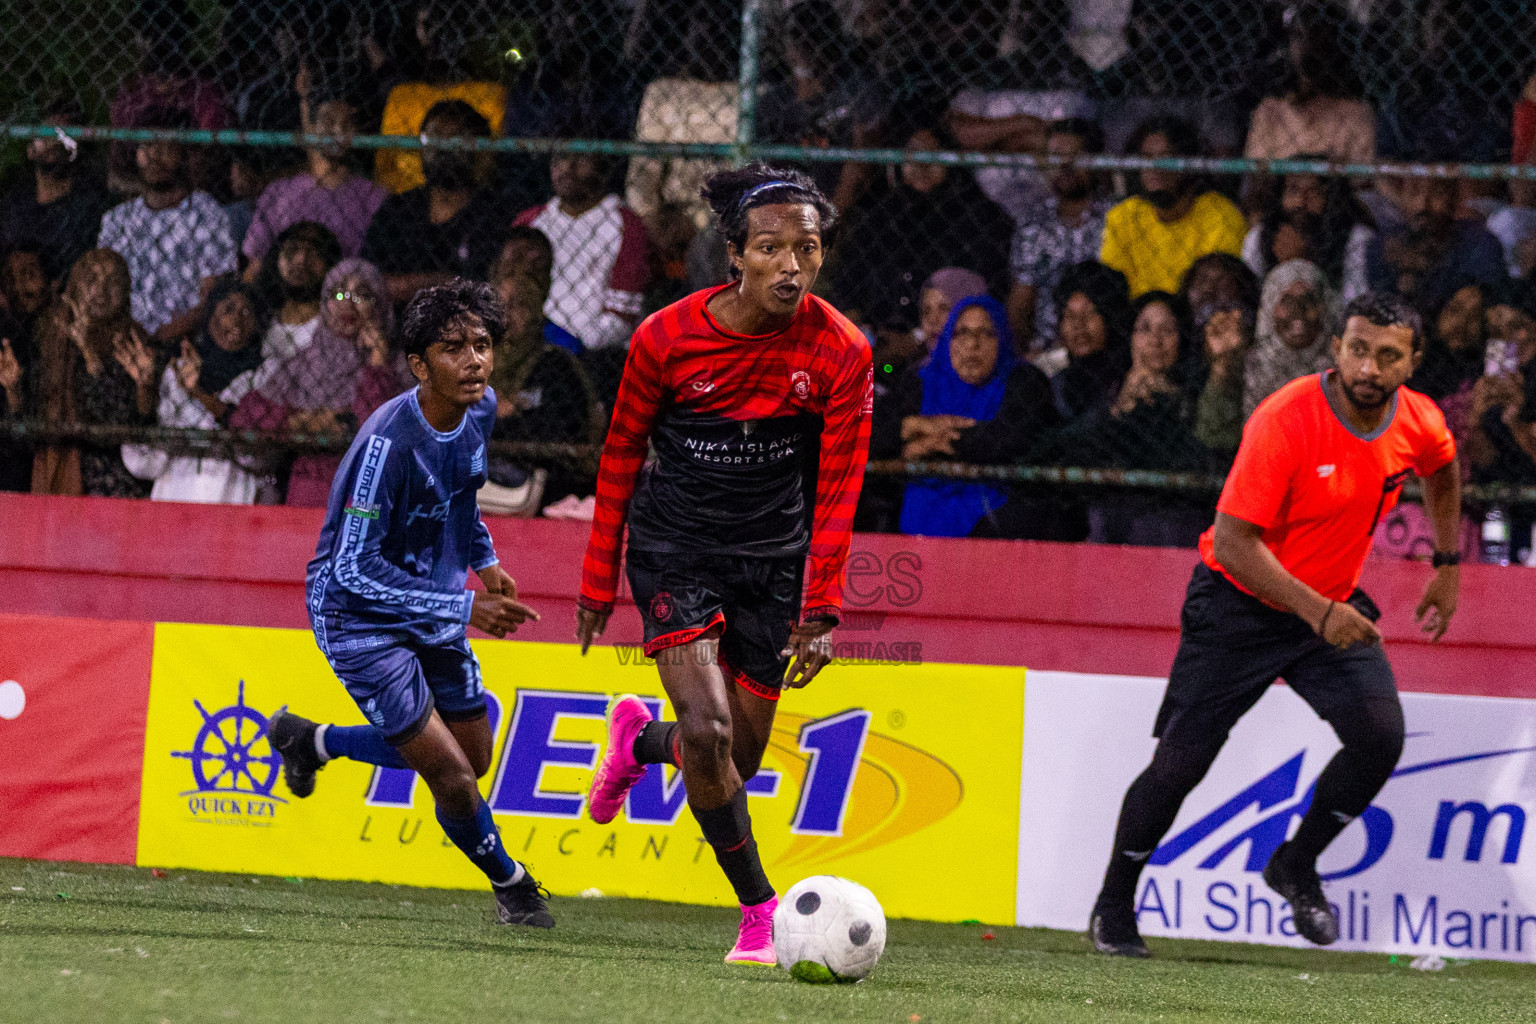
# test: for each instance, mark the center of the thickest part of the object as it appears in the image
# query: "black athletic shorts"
(1233, 647)
(750, 603)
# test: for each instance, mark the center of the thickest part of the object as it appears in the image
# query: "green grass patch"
(81, 943)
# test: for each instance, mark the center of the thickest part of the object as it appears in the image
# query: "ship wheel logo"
(231, 752)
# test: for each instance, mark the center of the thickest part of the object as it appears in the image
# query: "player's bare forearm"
(1240, 549)
(1442, 503)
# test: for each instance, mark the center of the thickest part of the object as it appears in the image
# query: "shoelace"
(757, 924)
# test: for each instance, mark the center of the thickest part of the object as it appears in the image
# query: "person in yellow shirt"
(1155, 236)
(405, 111)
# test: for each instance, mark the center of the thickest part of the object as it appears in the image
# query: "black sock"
(729, 830)
(656, 743)
(1373, 741)
(1345, 789)
(1147, 813)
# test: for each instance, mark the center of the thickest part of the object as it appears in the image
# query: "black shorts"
(750, 603)
(1233, 647)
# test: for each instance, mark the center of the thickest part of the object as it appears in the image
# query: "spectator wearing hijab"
(96, 367)
(1094, 331)
(1298, 312)
(975, 402)
(200, 390)
(1149, 425)
(334, 384)
(898, 351)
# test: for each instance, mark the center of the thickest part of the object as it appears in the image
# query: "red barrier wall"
(1074, 607)
(70, 768)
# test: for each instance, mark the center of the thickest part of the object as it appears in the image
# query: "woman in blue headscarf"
(975, 402)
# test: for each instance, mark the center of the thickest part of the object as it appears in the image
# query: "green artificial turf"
(81, 944)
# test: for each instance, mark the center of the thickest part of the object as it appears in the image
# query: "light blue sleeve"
(482, 550)
(360, 566)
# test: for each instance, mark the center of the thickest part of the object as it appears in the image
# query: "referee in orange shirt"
(1276, 596)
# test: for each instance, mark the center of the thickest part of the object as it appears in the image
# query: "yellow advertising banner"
(880, 773)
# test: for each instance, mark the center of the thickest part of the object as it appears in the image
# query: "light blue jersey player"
(386, 592)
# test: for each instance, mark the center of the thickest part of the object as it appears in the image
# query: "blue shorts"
(399, 683)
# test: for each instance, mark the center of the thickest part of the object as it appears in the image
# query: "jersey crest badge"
(661, 607)
(800, 382)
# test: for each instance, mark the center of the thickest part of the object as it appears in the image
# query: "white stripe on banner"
(1434, 865)
(354, 532)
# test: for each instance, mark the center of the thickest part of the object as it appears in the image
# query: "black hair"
(1341, 212)
(1181, 314)
(269, 281)
(316, 234)
(1084, 128)
(223, 288)
(461, 114)
(732, 193)
(65, 109)
(529, 233)
(1188, 373)
(1109, 292)
(435, 309)
(1249, 287)
(1517, 293)
(29, 246)
(1387, 310)
(167, 117)
(1183, 137)
(1183, 140)
(1323, 30)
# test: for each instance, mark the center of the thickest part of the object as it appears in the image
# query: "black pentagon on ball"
(859, 932)
(808, 903)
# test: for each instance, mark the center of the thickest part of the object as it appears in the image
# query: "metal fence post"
(746, 100)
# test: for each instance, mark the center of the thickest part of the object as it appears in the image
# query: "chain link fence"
(215, 210)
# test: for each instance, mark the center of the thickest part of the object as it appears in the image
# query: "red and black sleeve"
(642, 391)
(844, 452)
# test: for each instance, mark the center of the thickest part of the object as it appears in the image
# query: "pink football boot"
(618, 771)
(754, 945)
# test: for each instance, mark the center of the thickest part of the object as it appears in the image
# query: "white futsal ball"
(828, 929)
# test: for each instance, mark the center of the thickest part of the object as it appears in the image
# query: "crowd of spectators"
(1019, 316)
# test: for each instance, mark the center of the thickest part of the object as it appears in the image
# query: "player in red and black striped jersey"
(756, 398)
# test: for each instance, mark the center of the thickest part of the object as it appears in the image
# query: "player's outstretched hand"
(497, 581)
(811, 645)
(1434, 612)
(589, 626)
(498, 614)
(1343, 627)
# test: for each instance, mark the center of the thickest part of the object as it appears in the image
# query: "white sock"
(517, 876)
(320, 750)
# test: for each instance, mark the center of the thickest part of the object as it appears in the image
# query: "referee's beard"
(1366, 396)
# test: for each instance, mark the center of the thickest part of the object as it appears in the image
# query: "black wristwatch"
(1444, 558)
